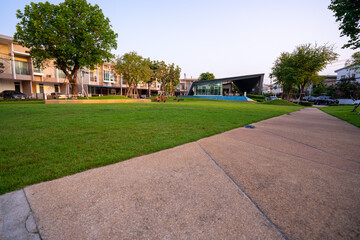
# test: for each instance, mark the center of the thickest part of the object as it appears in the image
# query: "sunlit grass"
(41, 142)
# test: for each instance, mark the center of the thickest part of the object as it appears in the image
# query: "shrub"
(306, 104)
(258, 98)
(279, 102)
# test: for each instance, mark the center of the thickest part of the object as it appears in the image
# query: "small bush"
(306, 104)
(280, 102)
(258, 98)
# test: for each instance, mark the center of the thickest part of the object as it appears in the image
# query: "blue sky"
(226, 37)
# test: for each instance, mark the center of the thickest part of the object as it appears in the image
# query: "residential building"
(184, 86)
(329, 80)
(272, 89)
(15, 67)
(18, 73)
(347, 73)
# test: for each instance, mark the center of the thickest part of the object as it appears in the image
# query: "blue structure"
(227, 98)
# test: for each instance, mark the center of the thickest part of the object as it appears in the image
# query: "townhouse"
(184, 86)
(18, 73)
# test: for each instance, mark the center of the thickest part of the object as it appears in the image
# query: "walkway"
(296, 176)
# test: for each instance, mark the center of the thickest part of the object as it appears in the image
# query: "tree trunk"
(149, 91)
(72, 81)
(354, 110)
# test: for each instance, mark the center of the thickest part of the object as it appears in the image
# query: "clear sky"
(225, 37)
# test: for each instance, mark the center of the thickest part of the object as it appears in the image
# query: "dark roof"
(231, 78)
(247, 83)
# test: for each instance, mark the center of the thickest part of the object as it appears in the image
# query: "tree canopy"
(74, 34)
(206, 76)
(136, 70)
(301, 67)
(347, 12)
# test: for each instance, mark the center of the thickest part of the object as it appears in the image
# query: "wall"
(8, 85)
(347, 73)
(48, 87)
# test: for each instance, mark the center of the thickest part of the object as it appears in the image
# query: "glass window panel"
(21, 68)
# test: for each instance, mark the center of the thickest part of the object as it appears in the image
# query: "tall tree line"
(138, 70)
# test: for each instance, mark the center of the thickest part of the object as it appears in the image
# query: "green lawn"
(41, 142)
(344, 113)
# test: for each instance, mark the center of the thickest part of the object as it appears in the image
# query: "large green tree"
(301, 67)
(134, 69)
(169, 78)
(73, 34)
(206, 76)
(284, 74)
(347, 12)
(158, 72)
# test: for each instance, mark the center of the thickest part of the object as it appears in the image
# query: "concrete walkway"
(296, 176)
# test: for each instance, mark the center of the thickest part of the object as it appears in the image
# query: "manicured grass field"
(344, 113)
(41, 142)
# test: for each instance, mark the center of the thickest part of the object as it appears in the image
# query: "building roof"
(231, 79)
(6, 38)
(244, 83)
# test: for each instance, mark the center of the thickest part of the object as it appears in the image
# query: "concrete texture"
(16, 220)
(173, 194)
(317, 129)
(295, 176)
(307, 189)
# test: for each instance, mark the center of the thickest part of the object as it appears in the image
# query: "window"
(17, 86)
(21, 68)
(41, 88)
(108, 76)
(92, 77)
(61, 74)
(56, 88)
(342, 76)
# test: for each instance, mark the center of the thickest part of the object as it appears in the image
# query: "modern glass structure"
(208, 88)
(251, 84)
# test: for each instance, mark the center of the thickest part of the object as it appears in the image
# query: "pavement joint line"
(30, 213)
(243, 193)
(293, 140)
(306, 159)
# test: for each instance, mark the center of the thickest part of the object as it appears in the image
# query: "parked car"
(324, 100)
(13, 94)
(271, 98)
(309, 98)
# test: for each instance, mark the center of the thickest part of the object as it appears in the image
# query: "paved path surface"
(295, 176)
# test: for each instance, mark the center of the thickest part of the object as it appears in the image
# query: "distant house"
(272, 89)
(18, 73)
(185, 83)
(347, 73)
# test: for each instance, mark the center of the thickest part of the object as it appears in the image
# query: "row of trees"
(138, 70)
